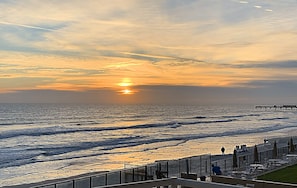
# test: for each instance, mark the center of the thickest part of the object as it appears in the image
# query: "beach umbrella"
(274, 151)
(256, 155)
(292, 148)
(288, 146)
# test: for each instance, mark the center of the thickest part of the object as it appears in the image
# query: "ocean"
(46, 141)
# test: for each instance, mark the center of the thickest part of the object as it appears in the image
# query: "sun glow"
(127, 92)
(126, 82)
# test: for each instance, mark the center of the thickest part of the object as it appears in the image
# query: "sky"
(157, 51)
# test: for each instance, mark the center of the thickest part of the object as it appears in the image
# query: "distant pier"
(285, 107)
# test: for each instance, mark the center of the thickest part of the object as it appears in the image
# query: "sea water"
(46, 141)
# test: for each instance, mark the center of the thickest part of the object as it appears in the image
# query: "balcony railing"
(172, 183)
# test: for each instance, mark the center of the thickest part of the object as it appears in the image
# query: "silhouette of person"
(223, 150)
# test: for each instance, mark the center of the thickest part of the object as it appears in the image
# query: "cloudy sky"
(157, 51)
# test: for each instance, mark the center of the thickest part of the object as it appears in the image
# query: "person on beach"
(223, 150)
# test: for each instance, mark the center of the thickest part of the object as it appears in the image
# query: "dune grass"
(285, 175)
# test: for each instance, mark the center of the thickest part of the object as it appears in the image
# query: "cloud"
(94, 44)
(7, 65)
(158, 58)
(16, 83)
(139, 26)
(26, 26)
(146, 55)
(258, 6)
(285, 64)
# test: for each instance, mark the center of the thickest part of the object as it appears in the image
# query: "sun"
(127, 92)
(125, 86)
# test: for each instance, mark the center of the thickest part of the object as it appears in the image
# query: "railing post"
(145, 173)
(210, 165)
(179, 173)
(120, 177)
(133, 172)
(106, 179)
(91, 182)
(200, 167)
(167, 170)
(186, 163)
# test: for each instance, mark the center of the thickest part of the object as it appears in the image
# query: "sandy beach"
(214, 159)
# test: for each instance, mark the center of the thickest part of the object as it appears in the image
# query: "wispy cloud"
(146, 55)
(26, 26)
(151, 42)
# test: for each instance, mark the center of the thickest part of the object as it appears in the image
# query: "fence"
(251, 183)
(265, 153)
(198, 165)
(173, 183)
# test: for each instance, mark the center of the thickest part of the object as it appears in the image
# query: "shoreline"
(214, 157)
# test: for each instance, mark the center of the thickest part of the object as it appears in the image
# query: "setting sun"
(127, 92)
(126, 84)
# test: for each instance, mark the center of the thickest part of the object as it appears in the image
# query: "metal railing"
(198, 165)
(173, 183)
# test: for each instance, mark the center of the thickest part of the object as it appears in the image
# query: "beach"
(47, 142)
(181, 166)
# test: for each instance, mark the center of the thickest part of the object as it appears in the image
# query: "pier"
(285, 107)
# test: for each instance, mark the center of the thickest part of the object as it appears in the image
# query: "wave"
(47, 153)
(56, 130)
(108, 144)
(227, 117)
(20, 123)
(15, 157)
(276, 118)
(200, 117)
(139, 116)
(5, 124)
(241, 116)
(40, 122)
(78, 127)
(56, 152)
